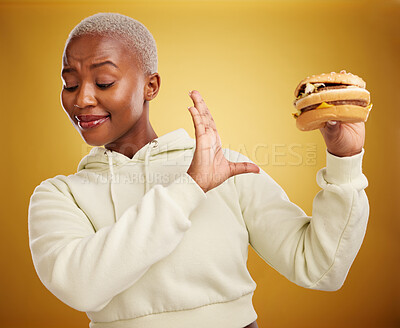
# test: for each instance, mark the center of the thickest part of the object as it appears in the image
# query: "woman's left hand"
(344, 139)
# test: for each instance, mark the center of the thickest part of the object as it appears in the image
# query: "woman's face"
(102, 77)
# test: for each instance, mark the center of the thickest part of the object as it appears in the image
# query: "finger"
(211, 121)
(199, 128)
(205, 113)
(201, 106)
(243, 167)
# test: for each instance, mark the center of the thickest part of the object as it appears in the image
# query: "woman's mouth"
(91, 124)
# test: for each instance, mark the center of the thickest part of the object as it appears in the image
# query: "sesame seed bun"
(343, 77)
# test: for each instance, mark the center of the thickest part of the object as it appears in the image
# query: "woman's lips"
(88, 118)
(85, 123)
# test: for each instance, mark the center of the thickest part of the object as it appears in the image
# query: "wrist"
(197, 179)
(344, 154)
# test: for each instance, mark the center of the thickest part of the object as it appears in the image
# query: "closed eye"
(70, 89)
(104, 86)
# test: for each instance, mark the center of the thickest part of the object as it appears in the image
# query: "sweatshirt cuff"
(343, 170)
(186, 193)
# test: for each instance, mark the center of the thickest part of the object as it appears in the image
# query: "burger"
(332, 96)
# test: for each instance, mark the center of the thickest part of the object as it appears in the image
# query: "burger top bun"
(343, 77)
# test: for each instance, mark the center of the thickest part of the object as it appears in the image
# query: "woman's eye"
(70, 89)
(104, 86)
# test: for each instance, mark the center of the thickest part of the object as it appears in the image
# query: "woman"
(154, 231)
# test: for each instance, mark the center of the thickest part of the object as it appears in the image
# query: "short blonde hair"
(137, 36)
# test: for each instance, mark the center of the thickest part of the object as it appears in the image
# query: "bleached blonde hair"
(132, 32)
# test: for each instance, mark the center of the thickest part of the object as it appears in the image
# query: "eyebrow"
(95, 65)
(107, 62)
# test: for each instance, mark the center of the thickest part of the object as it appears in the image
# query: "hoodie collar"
(176, 140)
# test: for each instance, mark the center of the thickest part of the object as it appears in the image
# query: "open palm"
(209, 167)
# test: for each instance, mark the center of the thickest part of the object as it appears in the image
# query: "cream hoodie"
(137, 243)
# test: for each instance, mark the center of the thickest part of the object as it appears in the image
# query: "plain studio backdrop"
(246, 58)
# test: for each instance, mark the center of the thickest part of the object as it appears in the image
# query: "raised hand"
(344, 139)
(209, 167)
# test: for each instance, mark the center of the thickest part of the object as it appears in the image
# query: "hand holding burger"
(338, 104)
(344, 139)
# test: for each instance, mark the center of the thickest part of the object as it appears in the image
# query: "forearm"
(340, 216)
(313, 252)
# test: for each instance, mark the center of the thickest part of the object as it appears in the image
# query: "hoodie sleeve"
(86, 269)
(313, 252)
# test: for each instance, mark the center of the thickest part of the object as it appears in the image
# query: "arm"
(86, 269)
(313, 252)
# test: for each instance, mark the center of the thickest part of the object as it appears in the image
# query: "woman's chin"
(92, 141)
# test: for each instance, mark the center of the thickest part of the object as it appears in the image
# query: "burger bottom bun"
(316, 118)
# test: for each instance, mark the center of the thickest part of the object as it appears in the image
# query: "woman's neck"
(137, 137)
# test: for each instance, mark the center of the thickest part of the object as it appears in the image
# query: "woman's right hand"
(209, 167)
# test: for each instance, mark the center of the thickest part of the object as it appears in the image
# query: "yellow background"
(246, 58)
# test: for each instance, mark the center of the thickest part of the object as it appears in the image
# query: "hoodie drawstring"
(152, 144)
(110, 164)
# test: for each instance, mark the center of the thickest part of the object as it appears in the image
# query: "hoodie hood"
(159, 149)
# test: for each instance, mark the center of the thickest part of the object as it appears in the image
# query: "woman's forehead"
(97, 47)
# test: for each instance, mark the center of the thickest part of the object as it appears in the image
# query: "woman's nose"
(86, 96)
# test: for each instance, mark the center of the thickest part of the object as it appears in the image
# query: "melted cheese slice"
(324, 105)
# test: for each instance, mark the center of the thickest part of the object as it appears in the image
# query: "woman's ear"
(152, 86)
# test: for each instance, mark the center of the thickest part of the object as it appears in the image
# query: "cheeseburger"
(333, 96)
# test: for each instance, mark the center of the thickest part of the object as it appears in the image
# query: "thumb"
(330, 128)
(332, 125)
(243, 167)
